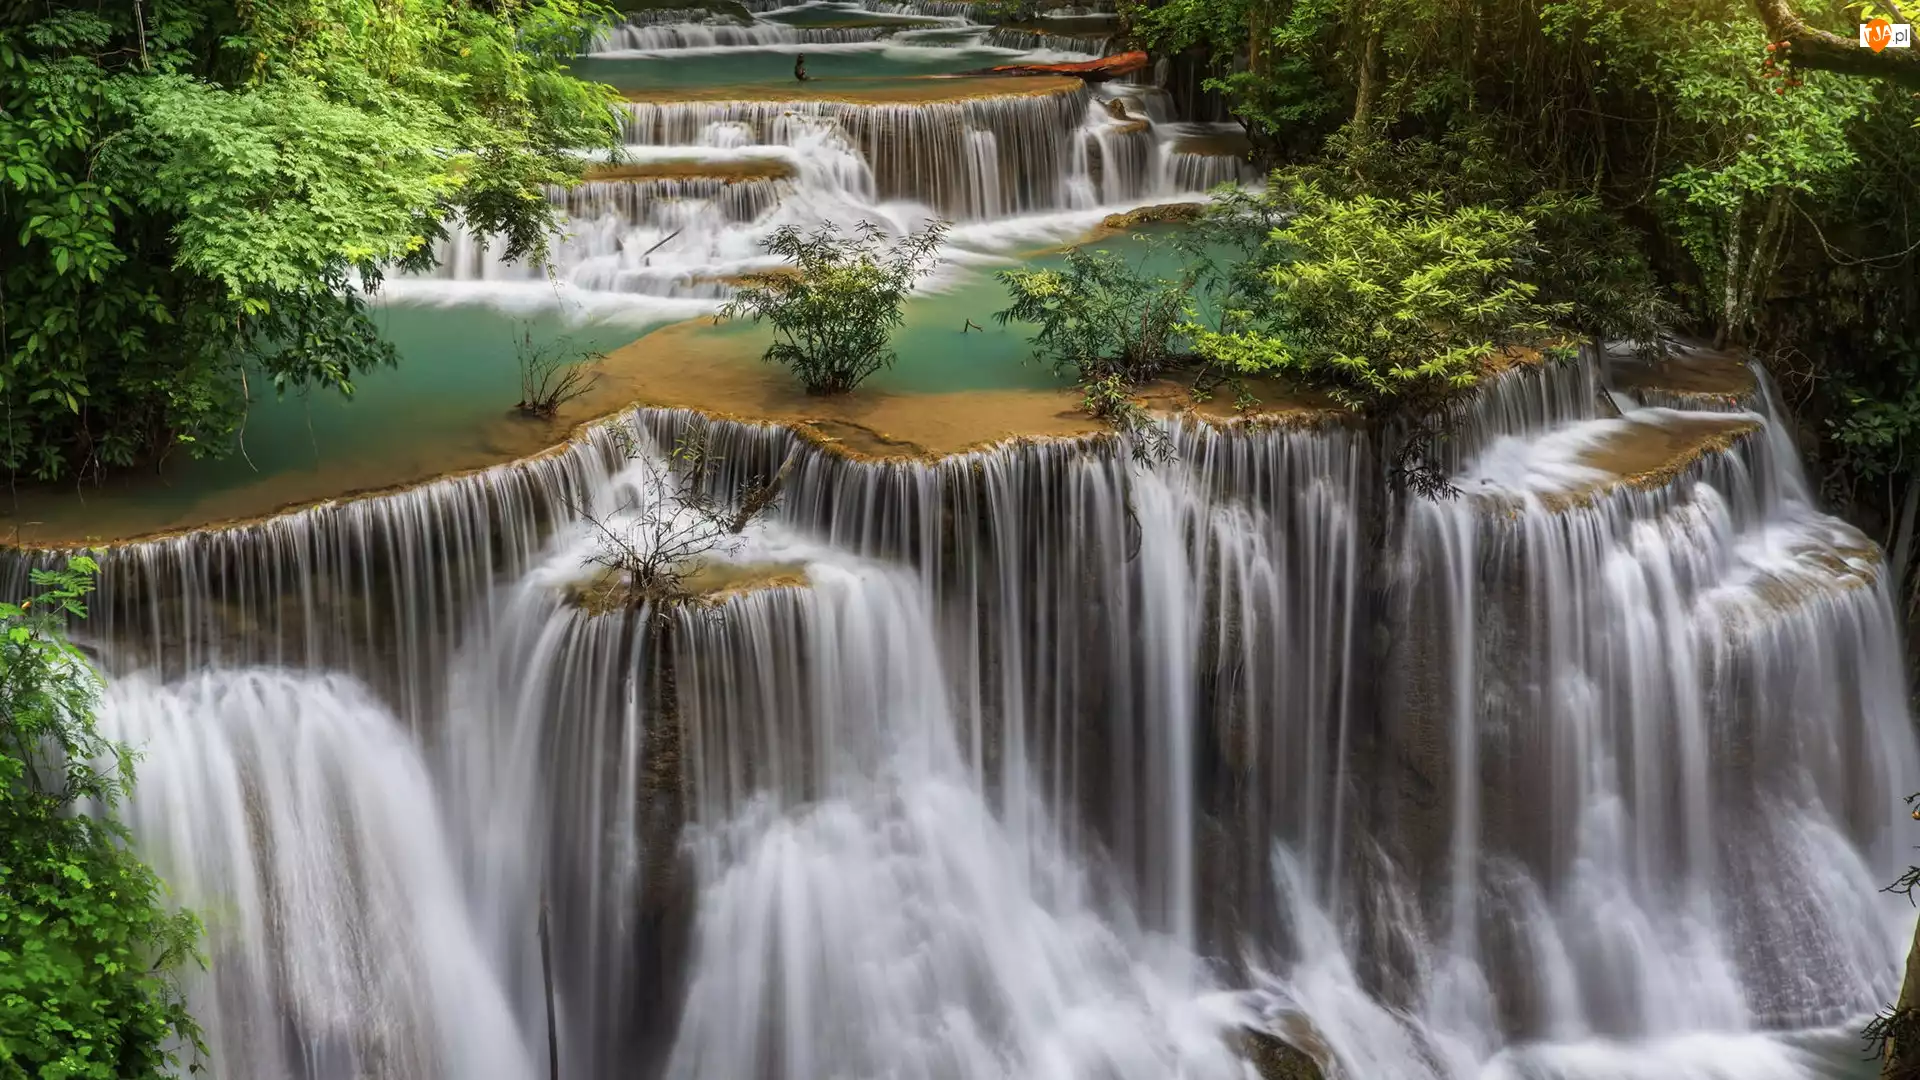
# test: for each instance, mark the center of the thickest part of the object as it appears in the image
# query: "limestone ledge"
(1213, 145)
(684, 366)
(929, 90)
(727, 170)
(710, 584)
(1647, 456)
(1180, 213)
(1816, 570)
(687, 367)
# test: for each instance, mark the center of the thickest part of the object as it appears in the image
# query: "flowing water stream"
(1039, 761)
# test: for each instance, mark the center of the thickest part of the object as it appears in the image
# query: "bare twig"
(553, 374)
(670, 522)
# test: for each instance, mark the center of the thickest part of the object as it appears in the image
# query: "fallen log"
(1107, 67)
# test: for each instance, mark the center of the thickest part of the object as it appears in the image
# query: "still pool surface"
(448, 405)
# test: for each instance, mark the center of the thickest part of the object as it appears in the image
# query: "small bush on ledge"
(1100, 315)
(553, 374)
(834, 316)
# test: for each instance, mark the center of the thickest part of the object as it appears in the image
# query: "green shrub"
(1387, 306)
(198, 196)
(1100, 316)
(86, 948)
(835, 312)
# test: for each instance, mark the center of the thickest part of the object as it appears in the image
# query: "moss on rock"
(1162, 214)
(1275, 1058)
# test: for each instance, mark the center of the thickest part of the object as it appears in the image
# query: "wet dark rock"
(1162, 214)
(1274, 1058)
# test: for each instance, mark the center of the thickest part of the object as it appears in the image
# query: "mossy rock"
(1163, 214)
(1273, 1058)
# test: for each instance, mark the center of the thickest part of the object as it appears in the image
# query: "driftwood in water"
(1107, 67)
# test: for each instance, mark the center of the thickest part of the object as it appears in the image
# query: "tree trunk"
(1730, 274)
(1821, 51)
(667, 900)
(546, 979)
(1258, 33)
(1760, 258)
(1368, 92)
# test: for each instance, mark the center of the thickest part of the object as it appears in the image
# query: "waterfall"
(296, 817)
(1003, 37)
(1041, 760)
(863, 911)
(707, 181)
(651, 35)
(916, 152)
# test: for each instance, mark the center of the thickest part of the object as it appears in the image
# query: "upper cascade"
(879, 130)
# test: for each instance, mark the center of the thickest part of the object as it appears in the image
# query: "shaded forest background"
(1741, 171)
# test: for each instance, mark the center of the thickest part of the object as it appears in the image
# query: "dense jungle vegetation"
(1743, 171)
(195, 190)
(196, 197)
(89, 951)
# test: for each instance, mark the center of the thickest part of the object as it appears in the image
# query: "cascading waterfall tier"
(1006, 37)
(652, 35)
(893, 151)
(917, 152)
(1591, 770)
(803, 162)
(297, 818)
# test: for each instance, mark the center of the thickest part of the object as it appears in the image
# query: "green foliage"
(194, 192)
(1388, 306)
(1873, 432)
(1677, 174)
(86, 949)
(834, 314)
(1099, 316)
(1010, 11)
(1108, 399)
(1588, 258)
(1277, 64)
(1749, 150)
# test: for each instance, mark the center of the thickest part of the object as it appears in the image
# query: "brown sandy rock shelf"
(729, 170)
(1648, 455)
(1161, 214)
(684, 366)
(735, 385)
(1129, 123)
(710, 583)
(1229, 144)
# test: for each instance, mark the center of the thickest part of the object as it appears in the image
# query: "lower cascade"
(1044, 761)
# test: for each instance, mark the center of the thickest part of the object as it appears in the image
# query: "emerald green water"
(939, 353)
(449, 405)
(458, 365)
